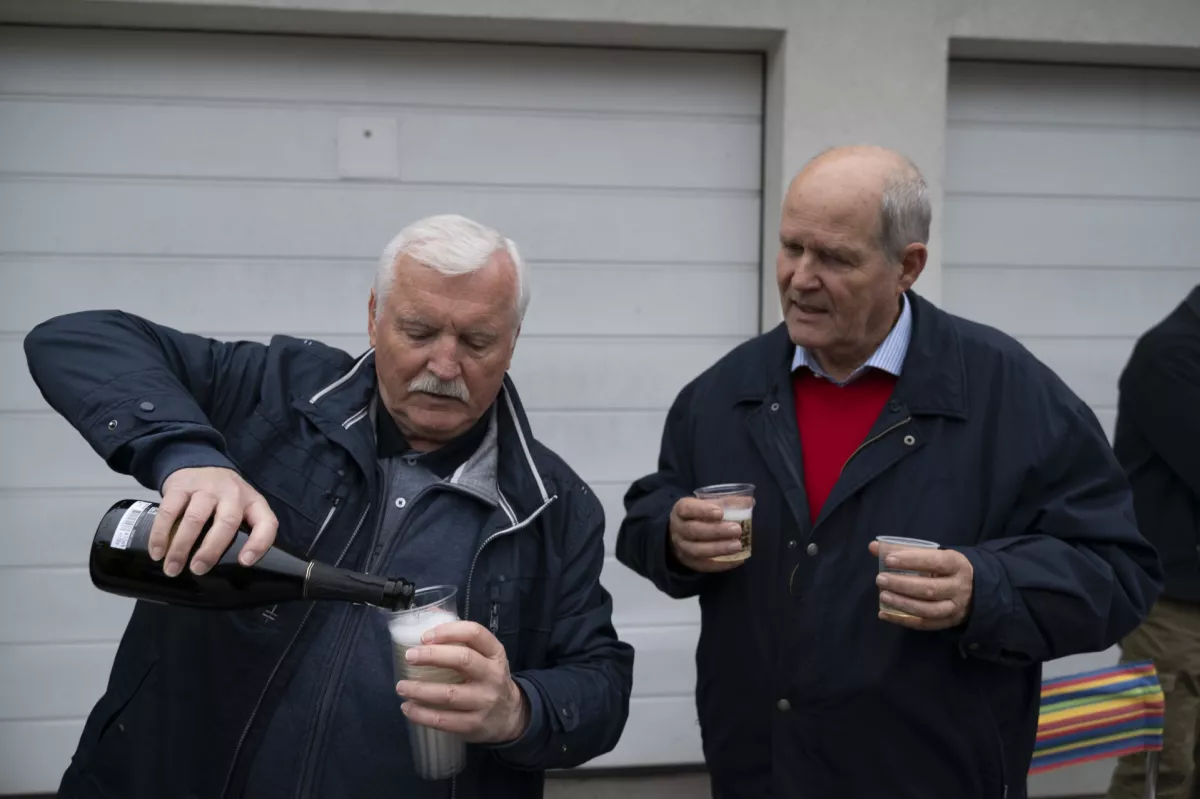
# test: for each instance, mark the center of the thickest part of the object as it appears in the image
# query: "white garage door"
(1072, 223)
(240, 186)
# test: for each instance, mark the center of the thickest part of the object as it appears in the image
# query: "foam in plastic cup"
(437, 755)
(889, 544)
(737, 503)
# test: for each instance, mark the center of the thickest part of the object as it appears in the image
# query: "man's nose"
(443, 361)
(804, 276)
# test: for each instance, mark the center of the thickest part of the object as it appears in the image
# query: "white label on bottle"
(120, 539)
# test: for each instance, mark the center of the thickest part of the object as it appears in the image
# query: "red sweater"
(834, 420)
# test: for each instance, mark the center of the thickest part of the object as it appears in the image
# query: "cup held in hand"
(889, 544)
(737, 504)
(437, 755)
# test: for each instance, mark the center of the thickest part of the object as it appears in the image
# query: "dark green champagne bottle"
(120, 564)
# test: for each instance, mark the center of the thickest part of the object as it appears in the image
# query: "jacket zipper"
(328, 517)
(498, 534)
(270, 677)
(347, 633)
(494, 617)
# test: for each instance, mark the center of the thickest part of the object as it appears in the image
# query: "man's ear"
(912, 263)
(371, 317)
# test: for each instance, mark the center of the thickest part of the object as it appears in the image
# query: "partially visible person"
(871, 412)
(414, 459)
(1158, 443)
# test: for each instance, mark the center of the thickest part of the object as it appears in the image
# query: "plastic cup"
(737, 504)
(437, 755)
(889, 544)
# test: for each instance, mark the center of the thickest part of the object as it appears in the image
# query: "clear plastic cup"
(889, 544)
(437, 755)
(737, 503)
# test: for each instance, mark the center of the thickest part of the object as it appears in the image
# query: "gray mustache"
(427, 383)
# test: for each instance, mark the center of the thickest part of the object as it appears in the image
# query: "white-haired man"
(415, 459)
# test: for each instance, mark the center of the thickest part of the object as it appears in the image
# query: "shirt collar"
(390, 442)
(888, 356)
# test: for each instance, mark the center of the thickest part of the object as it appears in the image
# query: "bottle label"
(124, 532)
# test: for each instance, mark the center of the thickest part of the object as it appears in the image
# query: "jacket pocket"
(107, 741)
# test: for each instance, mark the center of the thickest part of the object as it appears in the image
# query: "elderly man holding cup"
(934, 514)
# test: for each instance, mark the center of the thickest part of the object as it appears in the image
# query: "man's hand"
(939, 601)
(191, 497)
(698, 535)
(487, 707)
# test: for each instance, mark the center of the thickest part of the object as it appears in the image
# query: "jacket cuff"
(186, 455)
(991, 606)
(529, 746)
(681, 581)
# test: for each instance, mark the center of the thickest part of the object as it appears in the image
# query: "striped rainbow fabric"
(1098, 714)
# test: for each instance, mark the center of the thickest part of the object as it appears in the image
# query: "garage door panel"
(59, 605)
(659, 732)
(1067, 302)
(981, 159)
(1073, 96)
(251, 219)
(1091, 232)
(158, 140)
(602, 446)
(1090, 366)
(568, 300)
(634, 373)
(35, 753)
(637, 602)
(77, 672)
(364, 72)
(665, 662)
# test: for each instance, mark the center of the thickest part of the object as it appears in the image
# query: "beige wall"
(838, 71)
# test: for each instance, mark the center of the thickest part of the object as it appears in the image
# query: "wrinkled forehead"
(483, 298)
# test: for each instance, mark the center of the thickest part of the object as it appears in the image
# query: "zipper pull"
(494, 618)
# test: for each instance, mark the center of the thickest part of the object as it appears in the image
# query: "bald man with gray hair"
(414, 459)
(935, 514)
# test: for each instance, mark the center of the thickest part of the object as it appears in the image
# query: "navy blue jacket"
(190, 691)
(1158, 442)
(802, 691)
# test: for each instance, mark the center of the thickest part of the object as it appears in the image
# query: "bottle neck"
(322, 581)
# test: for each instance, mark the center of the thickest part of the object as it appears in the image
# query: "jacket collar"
(342, 404)
(933, 381)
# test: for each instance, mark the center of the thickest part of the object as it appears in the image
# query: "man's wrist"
(520, 713)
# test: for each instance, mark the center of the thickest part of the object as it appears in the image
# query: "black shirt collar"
(390, 442)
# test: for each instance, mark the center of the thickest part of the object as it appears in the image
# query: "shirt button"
(147, 406)
(774, 406)
(812, 549)
(784, 705)
(411, 460)
(401, 502)
(792, 544)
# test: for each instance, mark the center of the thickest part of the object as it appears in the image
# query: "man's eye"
(419, 335)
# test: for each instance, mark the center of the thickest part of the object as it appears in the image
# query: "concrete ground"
(671, 786)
